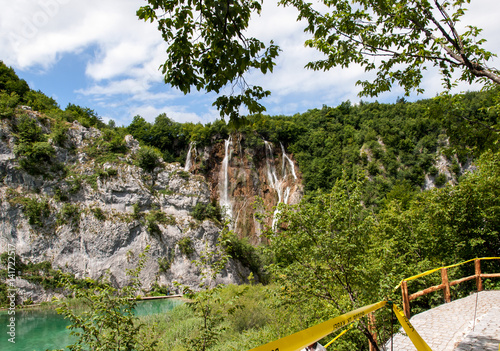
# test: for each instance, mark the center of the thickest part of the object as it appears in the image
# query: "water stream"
(225, 201)
(279, 184)
(189, 163)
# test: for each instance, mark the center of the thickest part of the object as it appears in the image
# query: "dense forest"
(367, 221)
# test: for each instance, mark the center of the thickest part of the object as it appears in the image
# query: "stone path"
(449, 327)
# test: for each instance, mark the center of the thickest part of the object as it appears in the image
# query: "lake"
(44, 329)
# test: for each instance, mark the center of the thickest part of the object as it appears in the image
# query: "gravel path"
(449, 327)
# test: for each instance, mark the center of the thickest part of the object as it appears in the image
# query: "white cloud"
(123, 71)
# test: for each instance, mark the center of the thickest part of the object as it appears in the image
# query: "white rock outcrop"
(97, 219)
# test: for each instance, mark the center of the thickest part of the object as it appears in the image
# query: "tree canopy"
(208, 48)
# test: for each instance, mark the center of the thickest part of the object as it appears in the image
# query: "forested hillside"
(391, 190)
(403, 146)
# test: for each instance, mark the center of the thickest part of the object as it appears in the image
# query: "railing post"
(444, 279)
(372, 328)
(479, 281)
(406, 299)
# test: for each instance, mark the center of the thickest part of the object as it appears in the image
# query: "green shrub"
(137, 211)
(160, 217)
(75, 185)
(153, 228)
(40, 102)
(59, 134)
(183, 174)
(433, 171)
(440, 179)
(69, 214)
(157, 216)
(210, 210)
(31, 148)
(164, 264)
(112, 172)
(98, 213)
(36, 210)
(60, 195)
(159, 290)
(28, 131)
(105, 173)
(455, 167)
(373, 169)
(186, 246)
(148, 158)
(8, 103)
(246, 253)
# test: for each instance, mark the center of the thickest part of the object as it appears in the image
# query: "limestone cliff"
(91, 214)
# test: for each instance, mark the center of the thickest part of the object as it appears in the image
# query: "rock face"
(94, 216)
(249, 179)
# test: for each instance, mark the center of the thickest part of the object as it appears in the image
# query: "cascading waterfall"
(225, 202)
(290, 162)
(276, 183)
(189, 163)
(271, 171)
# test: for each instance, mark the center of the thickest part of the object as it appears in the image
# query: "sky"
(98, 54)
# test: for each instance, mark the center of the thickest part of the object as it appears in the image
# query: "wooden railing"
(445, 284)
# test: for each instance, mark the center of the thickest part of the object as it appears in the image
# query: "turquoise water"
(41, 330)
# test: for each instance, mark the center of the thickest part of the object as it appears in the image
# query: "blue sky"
(97, 54)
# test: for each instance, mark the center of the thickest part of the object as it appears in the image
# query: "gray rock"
(94, 231)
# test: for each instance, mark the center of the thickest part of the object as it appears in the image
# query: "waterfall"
(271, 170)
(225, 202)
(290, 162)
(277, 184)
(188, 164)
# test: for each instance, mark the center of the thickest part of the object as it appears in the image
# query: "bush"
(28, 131)
(183, 174)
(59, 135)
(202, 211)
(40, 102)
(60, 195)
(164, 264)
(440, 179)
(160, 217)
(246, 253)
(433, 171)
(148, 158)
(136, 211)
(8, 103)
(186, 246)
(70, 214)
(98, 213)
(156, 216)
(373, 169)
(108, 322)
(36, 210)
(31, 146)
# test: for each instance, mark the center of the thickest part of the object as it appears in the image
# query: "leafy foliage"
(208, 49)
(186, 246)
(69, 214)
(202, 211)
(10, 82)
(157, 216)
(8, 103)
(321, 251)
(407, 37)
(148, 158)
(109, 322)
(36, 210)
